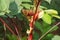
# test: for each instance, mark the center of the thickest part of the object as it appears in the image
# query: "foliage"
(56, 37)
(12, 9)
(11, 37)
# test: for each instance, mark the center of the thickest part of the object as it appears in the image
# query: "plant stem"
(12, 22)
(4, 32)
(15, 26)
(49, 31)
(37, 6)
(32, 21)
(7, 26)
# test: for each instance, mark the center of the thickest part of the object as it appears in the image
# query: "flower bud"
(40, 15)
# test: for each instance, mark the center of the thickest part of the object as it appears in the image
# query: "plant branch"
(7, 26)
(12, 22)
(32, 21)
(4, 31)
(15, 27)
(49, 31)
(37, 5)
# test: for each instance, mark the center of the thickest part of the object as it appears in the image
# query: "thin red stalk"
(10, 21)
(7, 26)
(39, 2)
(4, 32)
(30, 37)
(32, 21)
(15, 27)
(13, 23)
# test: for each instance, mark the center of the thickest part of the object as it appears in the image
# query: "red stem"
(7, 26)
(15, 27)
(32, 21)
(30, 36)
(37, 6)
(13, 23)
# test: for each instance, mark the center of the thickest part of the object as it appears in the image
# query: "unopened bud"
(29, 31)
(40, 15)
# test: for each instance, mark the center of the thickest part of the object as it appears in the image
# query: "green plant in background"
(56, 37)
(11, 14)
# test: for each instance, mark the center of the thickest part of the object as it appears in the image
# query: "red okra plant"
(19, 15)
(34, 16)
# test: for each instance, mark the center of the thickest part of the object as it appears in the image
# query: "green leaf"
(18, 2)
(56, 16)
(56, 37)
(20, 16)
(39, 26)
(45, 27)
(11, 37)
(49, 1)
(2, 13)
(26, 0)
(45, 4)
(48, 37)
(27, 6)
(13, 7)
(35, 36)
(11, 16)
(24, 38)
(55, 29)
(42, 7)
(47, 18)
(3, 5)
(42, 27)
(51, 12)
(55, 5)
